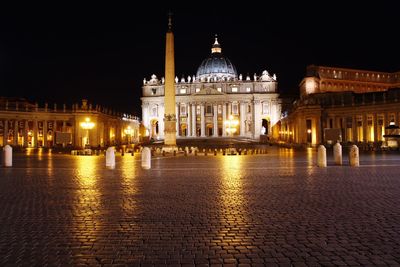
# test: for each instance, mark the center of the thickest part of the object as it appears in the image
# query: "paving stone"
(275, 209)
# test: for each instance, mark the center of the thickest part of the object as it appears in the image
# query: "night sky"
(65, 53)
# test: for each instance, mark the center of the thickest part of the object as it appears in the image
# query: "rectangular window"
(183, 109)
(391, 118)
(248, 89)
(265, 108)
(209, 109)
(219, 89)
(154, 112)
(182, 91)
(198, 110)
(235, 108)
(349, 122)
(197, 90)
(219, 109)
(234, 89)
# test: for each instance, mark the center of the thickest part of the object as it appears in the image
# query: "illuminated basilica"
(216, 102)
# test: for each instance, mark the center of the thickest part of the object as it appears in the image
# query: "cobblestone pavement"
(277, 209)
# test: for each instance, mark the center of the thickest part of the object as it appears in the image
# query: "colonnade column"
(188, 120)
(16, 133)
(194, 120)
(242, 118)
(5, 135)
(26, 126)
(223, 119)
(45, 133)
(256, 119)
(215, 120)
(177, 125)
(35, 134)
(375, 124)
(202, 121)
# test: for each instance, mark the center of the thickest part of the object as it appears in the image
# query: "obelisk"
(169, 96)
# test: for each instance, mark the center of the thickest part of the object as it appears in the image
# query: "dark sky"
(65, 53)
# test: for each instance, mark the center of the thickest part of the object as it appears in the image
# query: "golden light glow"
(310, 86)
(88, 199)
(309, 131)
(231, 125)
(86, 171)
(232, 184)
(87, 124)
(128, 130)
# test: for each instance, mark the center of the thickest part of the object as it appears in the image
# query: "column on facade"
(202, 121)
(193, 119)
(188, 120)
(375, 124)
(45, 133)
(242, 118)
(256, 119)
(25, 133)
(177, 109)
(215, 120)
(54, 132)
(223, 119)
(15, 141)
(160, 115)
(5, 135)
(365, 127)
(145, 115)
(229, 109)
(35, 134)
(354, 129)
(64, 126)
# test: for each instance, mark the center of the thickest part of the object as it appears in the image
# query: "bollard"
(337, 153)
(195, 152)
(215, 152)
(354, 157)
(146, 158)
(174, 153)
(321, 156)
(110, 158)
(7, 156)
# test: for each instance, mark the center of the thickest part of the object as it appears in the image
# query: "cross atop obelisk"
(169, 98)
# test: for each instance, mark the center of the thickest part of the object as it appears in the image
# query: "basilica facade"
(216, 102)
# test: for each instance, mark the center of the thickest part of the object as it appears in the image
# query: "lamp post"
(87, 125)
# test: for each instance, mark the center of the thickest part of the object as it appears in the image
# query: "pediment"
(208, 91)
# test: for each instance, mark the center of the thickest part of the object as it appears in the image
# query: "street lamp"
(87, 125)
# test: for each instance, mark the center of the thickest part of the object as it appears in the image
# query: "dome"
(216, 67)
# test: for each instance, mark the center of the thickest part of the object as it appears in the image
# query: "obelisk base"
(169, 135)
